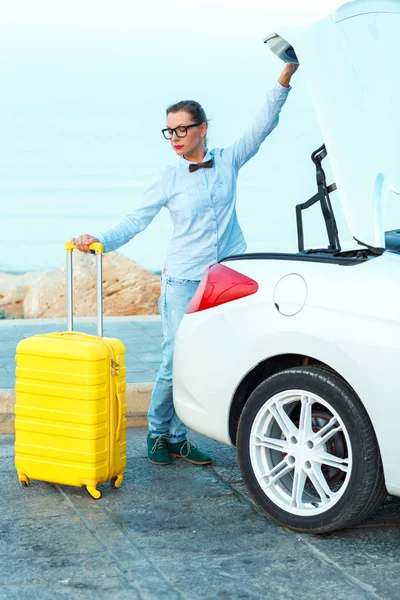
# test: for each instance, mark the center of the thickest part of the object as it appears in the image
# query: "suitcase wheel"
(24, 480)
(94, 492)
(115, 482)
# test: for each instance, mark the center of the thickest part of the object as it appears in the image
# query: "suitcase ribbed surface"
(70, 409)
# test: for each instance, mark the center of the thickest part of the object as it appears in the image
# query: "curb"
(137, 404)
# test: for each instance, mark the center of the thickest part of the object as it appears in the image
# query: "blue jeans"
(175, 297)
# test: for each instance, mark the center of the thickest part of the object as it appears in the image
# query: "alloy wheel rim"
(293, 453)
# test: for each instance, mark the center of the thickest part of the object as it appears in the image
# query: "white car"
(294, 358)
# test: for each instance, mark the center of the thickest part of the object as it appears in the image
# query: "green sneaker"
(157, 451)
(188, 451)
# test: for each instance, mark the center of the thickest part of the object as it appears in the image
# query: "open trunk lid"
(350, 62)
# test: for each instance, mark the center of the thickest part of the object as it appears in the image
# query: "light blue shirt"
(202, 204)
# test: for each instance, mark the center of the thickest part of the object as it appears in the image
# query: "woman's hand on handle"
(83, 242)
(288, 71)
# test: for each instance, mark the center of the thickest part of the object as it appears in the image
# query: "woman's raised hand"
(83, 242)
(286, 75)
(292, 67)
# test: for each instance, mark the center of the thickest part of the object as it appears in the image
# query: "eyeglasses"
(180, 131)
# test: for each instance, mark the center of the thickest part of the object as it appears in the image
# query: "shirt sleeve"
(266, 121)
(153, 200)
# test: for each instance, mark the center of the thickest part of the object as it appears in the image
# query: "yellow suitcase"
(70, 403)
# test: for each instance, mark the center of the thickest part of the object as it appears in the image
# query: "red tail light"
(219, 285)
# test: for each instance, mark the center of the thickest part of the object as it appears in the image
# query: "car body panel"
(346, 323)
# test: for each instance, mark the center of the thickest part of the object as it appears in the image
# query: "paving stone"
(6, 445)
(228, 474)
(40, 499)
(10, 371)
(57, 568)
(7, 382)
(153, 366)
(360, 546)
(208, 526)
(116, 588)
(7, 340)
(154, 327)
(145, 377)
(144, 482)
(10, 335)
(384, 579)
(148, 356)
(8, 352)
(137, 368)
(140, 346)
(132, 360)
(5, 344)
(156, 584)
(136, 446)
(4, 373)
(8, 361)
(8, 329)
(257, 575)
(123, 325)
(128, 335)
(87, 328)
(107, 531)
(141, 337)
(45, 537)
(7, 464)
(242, 490)
(33, 329)
(180, 532)
(207, 513)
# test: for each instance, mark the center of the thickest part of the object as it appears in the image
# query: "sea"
(38, 216)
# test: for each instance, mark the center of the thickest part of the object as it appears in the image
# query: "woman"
(200, 193)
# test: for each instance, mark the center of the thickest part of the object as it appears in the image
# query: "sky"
(131, 15)
(85, 85)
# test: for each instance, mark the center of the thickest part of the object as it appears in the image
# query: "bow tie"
(205, 165)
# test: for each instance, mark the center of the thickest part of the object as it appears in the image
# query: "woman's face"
(193, 142)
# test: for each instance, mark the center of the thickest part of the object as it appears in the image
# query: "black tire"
(365, 483)
(112, 482)
(24, 484)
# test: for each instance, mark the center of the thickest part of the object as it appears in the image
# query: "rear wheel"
(24, 479)
(93, 492)
(308, 452)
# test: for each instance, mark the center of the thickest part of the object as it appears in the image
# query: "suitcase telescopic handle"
(96, 249)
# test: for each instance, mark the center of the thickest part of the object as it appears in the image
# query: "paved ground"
(180, 532)
(142, 337)
(171, 532)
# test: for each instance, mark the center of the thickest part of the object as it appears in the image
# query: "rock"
(13, 289)
(128, 289)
